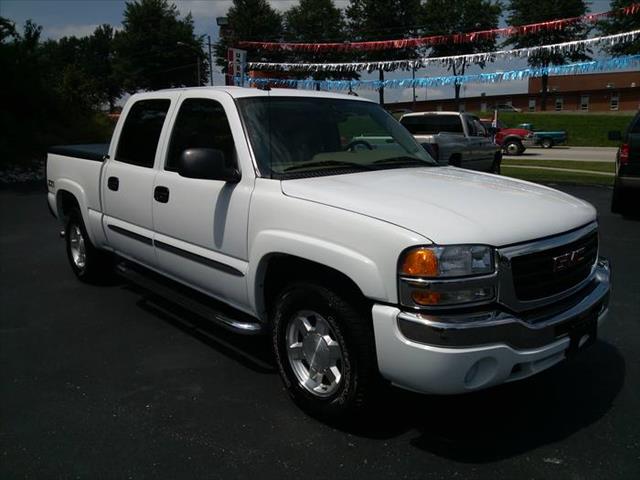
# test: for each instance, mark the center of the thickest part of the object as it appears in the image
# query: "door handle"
(161, 194)
(113, 183)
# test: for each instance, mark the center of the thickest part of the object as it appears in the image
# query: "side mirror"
(206, 164)
(615, 135)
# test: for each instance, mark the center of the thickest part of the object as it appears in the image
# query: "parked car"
(259, 211)
(627, 181)
(457, 139)
(514, 141)
(544, 138)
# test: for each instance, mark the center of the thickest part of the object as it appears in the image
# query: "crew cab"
(627, 181)
(257, 210)
(457, 139)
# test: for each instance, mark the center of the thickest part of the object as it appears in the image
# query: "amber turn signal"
(420, 262)
(425, 297)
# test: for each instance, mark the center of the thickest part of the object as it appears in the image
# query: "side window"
(201, 123)
(470, 126)
(141, 131)
(480, 130)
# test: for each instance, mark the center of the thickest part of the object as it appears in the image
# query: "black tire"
(351, 326)
(546, 143)
(455, 161)
(513, 147)
(497, 162)
(618, 199)
(97, 267)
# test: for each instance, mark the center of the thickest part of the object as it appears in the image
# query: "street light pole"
(210, 61)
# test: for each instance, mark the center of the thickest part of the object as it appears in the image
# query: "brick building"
(593, 92)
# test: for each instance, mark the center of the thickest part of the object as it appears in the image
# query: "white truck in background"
(261, 211)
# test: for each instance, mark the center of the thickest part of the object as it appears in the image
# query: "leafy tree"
(380, 19)
(620, 23)
(523, 12)
(317, 21)
(444, 17)
(98, 61)
(249, 20)
(156, 48)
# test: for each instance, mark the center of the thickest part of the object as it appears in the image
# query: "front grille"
(543, 274)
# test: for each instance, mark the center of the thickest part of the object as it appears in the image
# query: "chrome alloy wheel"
(77, 247)
(314, 353)
(513, 149)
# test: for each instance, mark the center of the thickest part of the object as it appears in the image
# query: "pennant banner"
(445, 61)
(522, 74)
(429, 41)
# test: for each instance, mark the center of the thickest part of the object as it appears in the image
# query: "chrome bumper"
(520, 331)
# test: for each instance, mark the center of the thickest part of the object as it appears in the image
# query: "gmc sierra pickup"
(262, 211)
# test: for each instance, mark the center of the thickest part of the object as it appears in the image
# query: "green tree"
(620, 23)
(156, 48)
(523, 12)
(317, 21)
(383, 19)
(249, 20)
(98, 61)
(444, 17)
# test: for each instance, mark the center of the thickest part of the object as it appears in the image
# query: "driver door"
(201, 225)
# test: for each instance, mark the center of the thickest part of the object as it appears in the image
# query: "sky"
(61, 18)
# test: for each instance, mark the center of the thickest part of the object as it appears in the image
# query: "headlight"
(447, 275)
(450, 261)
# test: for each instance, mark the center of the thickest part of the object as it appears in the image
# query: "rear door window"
(141, 131)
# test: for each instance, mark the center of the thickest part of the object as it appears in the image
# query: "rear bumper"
(463, 353)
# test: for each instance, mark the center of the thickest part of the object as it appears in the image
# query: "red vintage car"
(514, 141)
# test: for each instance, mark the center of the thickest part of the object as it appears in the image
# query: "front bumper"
(448, 354)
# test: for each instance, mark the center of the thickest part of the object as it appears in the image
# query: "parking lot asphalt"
(97, 382)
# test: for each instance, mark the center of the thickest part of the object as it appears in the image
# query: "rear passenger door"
(127, 179)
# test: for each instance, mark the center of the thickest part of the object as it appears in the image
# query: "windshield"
(303, 136)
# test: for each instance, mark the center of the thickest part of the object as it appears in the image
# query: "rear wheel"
(546, 143)
(324, 349)
(513, 147)
(87, 262)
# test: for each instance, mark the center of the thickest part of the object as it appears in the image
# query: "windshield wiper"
(404, 161)
(327, 163)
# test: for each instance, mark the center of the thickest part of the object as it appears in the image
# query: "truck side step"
(196, 302)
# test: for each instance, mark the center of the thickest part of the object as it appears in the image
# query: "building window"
(483, 106)
(509, 103)
(559, 104)
(462, 107)
(614, 101)
(439, 108)
(584, 103)
(532, 104)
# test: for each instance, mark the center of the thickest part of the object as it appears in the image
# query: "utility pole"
(210, 61)
(198, 52)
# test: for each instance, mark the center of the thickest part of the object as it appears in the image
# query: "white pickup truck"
(258, 210)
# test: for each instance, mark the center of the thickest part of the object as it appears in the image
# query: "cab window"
(141, 131)
(201, 123)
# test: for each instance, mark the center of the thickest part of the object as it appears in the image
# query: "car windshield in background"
(433, 124)
(300, 136)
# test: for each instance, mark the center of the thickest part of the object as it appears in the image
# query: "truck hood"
(449, 205)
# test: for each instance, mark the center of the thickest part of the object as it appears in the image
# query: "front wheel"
(514, 147)
(546, 143)
(324, 349)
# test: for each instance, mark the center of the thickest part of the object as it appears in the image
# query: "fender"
(91, 218)
(360, 269)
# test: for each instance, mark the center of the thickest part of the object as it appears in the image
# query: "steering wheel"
(352, 145)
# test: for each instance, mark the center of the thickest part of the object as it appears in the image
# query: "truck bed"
(86, 151)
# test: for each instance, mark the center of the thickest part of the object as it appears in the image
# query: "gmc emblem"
(569, 259)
